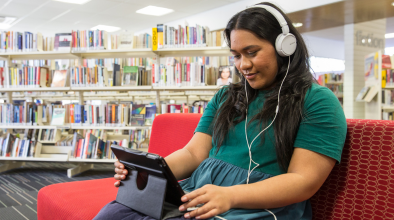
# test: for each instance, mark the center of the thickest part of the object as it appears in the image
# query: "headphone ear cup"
(286, 44)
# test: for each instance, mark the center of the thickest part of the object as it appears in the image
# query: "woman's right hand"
(121, 173)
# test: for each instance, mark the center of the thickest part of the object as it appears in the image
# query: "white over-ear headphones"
(286, 43)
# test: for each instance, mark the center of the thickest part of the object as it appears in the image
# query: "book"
(138, 115)
(91, 145)
(63, 41)
(150, 114)
(59, 78)
(116, 80)
(58, 116)
(130, 75)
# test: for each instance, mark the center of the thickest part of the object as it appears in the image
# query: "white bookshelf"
(45, 150)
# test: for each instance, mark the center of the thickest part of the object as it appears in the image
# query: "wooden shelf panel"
(48, 89)
(43, 159)
(109, 127)
(388, 87)
(99, 54)
(34, 126)
(388, 107)
(113, 88)
(194, 51)
(92, 160)
(185, 88)
(43, 55)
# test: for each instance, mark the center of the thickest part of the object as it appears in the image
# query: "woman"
(234, 172)
(224, 76)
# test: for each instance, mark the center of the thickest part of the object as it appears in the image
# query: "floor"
(19, 187)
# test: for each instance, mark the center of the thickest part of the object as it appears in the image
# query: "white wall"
(217, 18)
(320, 47)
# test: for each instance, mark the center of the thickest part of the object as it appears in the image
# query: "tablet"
(150, 164)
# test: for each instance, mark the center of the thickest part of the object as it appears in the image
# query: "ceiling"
(48, 17)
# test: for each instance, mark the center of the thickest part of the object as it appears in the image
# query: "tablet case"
(148, 201)
(151, 198)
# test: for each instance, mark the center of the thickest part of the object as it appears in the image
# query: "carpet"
(19, 187)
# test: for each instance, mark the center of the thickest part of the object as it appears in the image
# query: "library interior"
(109, 108)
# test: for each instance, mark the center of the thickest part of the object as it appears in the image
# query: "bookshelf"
(45, 150)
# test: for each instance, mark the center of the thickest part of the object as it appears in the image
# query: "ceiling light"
(6, 22)
(297, 25)
(392, 4)
(155, 11)
(105, 28)
(391, 35)
(80, 2)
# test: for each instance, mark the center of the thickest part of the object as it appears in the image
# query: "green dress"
(322, 130)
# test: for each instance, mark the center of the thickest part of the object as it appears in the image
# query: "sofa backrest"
(171, 132)
(362, 185)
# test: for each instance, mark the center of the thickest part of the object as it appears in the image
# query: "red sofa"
(361, 187)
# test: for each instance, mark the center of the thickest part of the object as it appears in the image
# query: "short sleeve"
(323, 126)
(206, 120)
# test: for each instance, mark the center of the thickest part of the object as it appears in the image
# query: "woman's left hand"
(216, 200)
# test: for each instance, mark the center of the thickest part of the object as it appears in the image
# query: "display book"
(18, 145)
(187, 36)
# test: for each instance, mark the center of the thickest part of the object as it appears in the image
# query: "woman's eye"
(252, 53)
(237, 56)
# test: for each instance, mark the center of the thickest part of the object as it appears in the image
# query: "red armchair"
(361, 187)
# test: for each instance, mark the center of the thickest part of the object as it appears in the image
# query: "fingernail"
(187, 215)
(124, 171)
(121, 167)
(198, 217)
(184, 199)
(122, 176)
(182, 208)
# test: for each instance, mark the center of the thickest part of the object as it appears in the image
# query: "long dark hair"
(299, 79)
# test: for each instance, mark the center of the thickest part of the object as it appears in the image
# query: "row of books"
(330, 77)
(336, 89)
(15, 146)
(23, 76)
(80, 40)
(93, 144)
(27, 113)
(387, 77)
(197, 107)
(88, 40)
(187, 36)
(387, 97)
(387, 116)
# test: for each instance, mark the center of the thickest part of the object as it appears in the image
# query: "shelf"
(388, 87)
(120, 53)
(334, 83)
(185, 88)
(39, 55)
(47, 89)
(113, 88)
(92, 160)
(34, 127)
(43, 159)
(194, 51)
(388, 107)
(109, 127)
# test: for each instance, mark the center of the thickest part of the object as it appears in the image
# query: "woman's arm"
(307, 172)
(184, 161)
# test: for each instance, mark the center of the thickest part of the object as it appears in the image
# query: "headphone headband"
(286, 43)
(279, 17)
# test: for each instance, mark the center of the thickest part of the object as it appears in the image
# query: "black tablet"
(150, 164)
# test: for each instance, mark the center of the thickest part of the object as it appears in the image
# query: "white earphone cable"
(246, 122)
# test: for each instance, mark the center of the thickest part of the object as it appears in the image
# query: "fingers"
(119, 165)
(194, 202)
(121, 171)
(117, 184)
(193, 195)
(119, 177)
(206, 211)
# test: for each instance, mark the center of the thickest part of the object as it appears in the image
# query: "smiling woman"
(269, 166)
